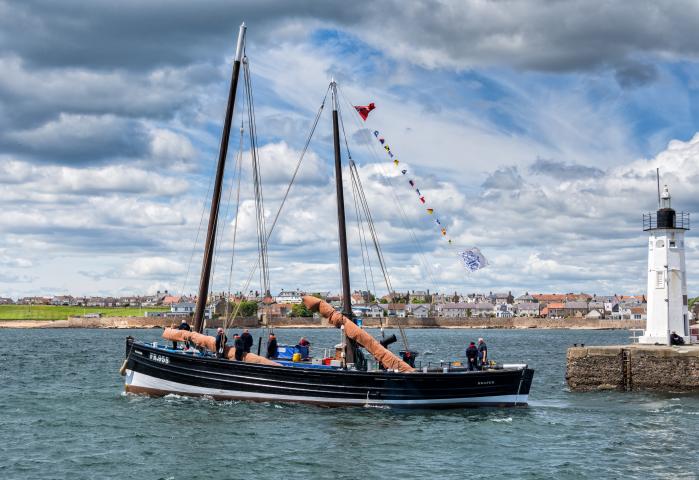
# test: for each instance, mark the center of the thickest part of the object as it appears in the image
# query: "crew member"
(472, 357)
(221, 340)
(183, 326)
(482, 353)
(239, 347)
(676, 339)
(272, 346)
(304, 348)
(247, 340)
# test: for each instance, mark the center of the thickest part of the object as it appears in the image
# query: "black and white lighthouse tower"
(667, 276)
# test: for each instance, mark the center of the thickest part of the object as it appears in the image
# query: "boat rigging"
(349, 380)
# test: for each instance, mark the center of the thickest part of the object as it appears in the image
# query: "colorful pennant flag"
(363, 110)
(472, 259)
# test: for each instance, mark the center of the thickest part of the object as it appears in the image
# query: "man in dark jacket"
(183, 326)
(247, 340)
(221, 340)
(676, 339)
(482, 353)
(239, 347)
(272, 346)
(472, 356)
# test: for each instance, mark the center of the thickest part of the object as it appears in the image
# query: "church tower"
(667, 276)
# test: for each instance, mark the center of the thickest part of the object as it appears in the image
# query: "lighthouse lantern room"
(667, 280)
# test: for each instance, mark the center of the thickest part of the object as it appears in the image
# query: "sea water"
(63, 414)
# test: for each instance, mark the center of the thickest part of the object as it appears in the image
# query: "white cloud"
(150, 267)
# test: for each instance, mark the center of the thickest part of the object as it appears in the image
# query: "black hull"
(157, 371)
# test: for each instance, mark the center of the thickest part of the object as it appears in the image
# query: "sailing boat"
(157, 370)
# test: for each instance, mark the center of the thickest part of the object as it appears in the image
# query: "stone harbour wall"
(633, 368)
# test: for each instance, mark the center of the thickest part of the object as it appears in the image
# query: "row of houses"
(158, 299)
(488, 310)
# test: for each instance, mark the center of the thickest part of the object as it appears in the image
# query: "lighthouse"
(667, 277)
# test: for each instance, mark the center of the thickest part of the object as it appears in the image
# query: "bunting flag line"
(473, 259)
(363, 110)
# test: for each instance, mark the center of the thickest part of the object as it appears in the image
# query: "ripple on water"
(66, 413)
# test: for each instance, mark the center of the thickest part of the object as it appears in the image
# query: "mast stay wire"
(196, 239)
(360, 228)
(363, 243)
(257, 182)
(404, 218)
(283, 202)
(356, 183)
(239, 164)
(222, 220)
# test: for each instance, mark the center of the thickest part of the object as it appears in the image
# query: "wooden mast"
(342, 229)
(216, 196)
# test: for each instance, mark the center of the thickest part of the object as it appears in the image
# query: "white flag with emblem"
(473, 259)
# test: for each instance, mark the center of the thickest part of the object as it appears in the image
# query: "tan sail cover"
(380, 353)
(209, 343)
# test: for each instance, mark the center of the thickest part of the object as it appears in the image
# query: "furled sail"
(383, 355)
(209, 342)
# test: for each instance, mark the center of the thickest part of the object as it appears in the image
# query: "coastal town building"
(290, 296)
(394, 310)
(526, 298)
(501, 298)
(420, 310)
(527, 309)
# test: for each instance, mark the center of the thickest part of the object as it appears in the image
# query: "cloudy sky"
(532, 128)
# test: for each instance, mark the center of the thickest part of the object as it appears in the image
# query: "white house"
(394, 309)
(419, 310)
(503, 311)
(526, 298)
(527, 309)
(289, 296)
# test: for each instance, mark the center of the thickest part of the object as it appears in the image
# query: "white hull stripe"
(139, 380)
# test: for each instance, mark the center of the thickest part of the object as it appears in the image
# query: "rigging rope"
(283, 202)
(257, 182)
(239, 163)
(196, 238)
(403, 216)
(356, 184)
